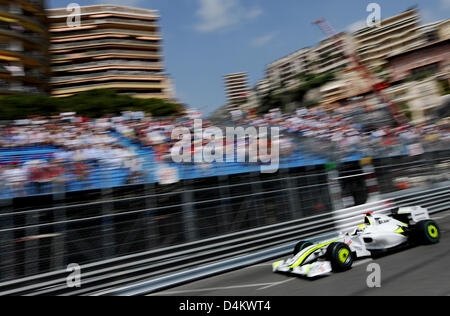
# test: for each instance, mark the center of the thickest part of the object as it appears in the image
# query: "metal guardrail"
(41, 234)
(436, 200)
(159, 269)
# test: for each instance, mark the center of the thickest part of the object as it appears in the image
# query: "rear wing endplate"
(417, 213)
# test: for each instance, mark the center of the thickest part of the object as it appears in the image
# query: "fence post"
(294, 202)
(59, 259)
(108, 244)
(373, 189)
(224, 204)
(7, 251)
(257, 213)
(189, 214)
(150, 231)
(31, 245)
(334, 187)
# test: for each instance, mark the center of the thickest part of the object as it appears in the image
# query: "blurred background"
(87, 112)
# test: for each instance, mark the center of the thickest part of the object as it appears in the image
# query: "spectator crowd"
(61, 150)
(67, 148)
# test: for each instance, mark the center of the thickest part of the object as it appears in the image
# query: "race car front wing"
(312, 270)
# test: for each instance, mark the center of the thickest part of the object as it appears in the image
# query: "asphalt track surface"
(422, 270)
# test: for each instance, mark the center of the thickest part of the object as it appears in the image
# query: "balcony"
(109, 63)
(28, 22)
(383, 50)
(134, 86)
(115, 42)
(106, 21)
(28, 58)
(377, 34)
(25, 35)
(151, 75)
(108, 9)
(105, 53)
(83, 34)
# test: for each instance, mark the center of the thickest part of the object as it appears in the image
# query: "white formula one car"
(405, 226)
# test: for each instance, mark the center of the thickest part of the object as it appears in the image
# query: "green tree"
(94, 103)
(308, 82)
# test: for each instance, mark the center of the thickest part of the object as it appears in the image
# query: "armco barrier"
(155, 270)
(435, 200)
(38, 238)
(42, 234)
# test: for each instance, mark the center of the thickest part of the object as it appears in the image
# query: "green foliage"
(380, 69)
(445, 87)
(420, 76)
(271, 101)
(308, 82)
(311, 103)
(94, 103)
(406, 111)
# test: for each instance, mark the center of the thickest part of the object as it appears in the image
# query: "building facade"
(24, 42)
(262, 88)
(113, 47)
(283, 73)
(397, 33)
(331, 55)
(433, 58)
(401, 36)
(444, 29)
(349, 83)
(418, 75)
(236, 89)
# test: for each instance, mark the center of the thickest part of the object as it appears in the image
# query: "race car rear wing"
(417, 213)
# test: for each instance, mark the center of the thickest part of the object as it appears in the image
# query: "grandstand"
(99, 182)
(108, 153)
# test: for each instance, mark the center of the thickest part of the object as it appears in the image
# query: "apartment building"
(331, 55)
(262, 88)
(349, 83)
(328, 56)
(114, 47)
(444, 29)
(432, 58)
(283, 73)
(418, 74)
(236, 89)
(400, 47)
(397, 33)
(24, 41)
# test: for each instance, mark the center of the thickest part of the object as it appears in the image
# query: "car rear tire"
(427, 232)
(340, 256)
(301, 245)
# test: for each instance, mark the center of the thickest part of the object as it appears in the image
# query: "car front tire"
(340, 256)
(301, 245)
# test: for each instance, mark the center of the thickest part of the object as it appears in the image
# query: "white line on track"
(262, 265)
(440, 217)
(275, 284)
(443, 215)
(263, 286)
(211, 289)
(359, 263)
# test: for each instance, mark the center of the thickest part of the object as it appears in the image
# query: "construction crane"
(377, 88)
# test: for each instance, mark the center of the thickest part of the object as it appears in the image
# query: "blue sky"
(206, 39)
